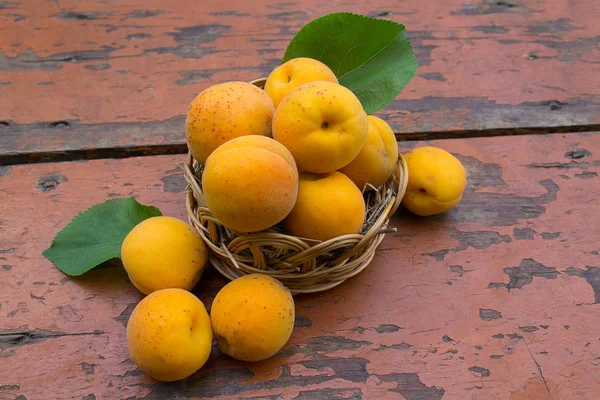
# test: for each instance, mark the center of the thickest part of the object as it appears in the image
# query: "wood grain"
(496, 299)
(118, 76)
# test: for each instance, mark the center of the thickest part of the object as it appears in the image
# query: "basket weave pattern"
(303, 265)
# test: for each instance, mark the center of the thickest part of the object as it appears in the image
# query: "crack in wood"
(16, 338)
(116, 152)
(570, 165)
(539, 368)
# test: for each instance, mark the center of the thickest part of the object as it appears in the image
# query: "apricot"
(294, 73)
(252, 317)
(375, 162)
(328, 205)
(323, 124)
(436, 181)
(223, 112)
(169, 334)
(262, 142)
(163, 252)
(250, 183)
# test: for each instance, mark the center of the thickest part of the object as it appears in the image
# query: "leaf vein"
(329, 42)
(370, 58)
(346, 55)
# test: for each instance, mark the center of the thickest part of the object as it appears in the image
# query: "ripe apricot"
(163, 252)
(375, 162)
(252, 317)
(169, 334)
(226, 111)
(323, 124)
(328, 205)
(250, 183)
(294, 73)
(436, 181)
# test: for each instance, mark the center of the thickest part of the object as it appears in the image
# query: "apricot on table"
(293, 73)
(328, 205)
(323, 124)
(250, 183)
(436, 181)
(226, 111)
(169, 334)
(253, 317)
(163, 252)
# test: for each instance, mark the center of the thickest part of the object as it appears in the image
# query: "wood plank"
(496, 299)
(118, 76)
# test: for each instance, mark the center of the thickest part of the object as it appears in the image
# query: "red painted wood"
(496, 299)
(123, 73)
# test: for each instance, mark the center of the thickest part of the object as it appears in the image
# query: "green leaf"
(371, 57)
(95, 235)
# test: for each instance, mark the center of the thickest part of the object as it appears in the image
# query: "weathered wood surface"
(498, 299)
(117, 77)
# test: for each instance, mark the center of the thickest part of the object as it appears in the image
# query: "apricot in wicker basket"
(323, 124)
(296, 72)
(226, 111)
(328, 205)
(250, 183)
(377, 158)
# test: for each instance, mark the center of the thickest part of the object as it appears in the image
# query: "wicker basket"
(303, 265)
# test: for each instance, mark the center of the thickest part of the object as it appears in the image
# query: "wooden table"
(496, 299)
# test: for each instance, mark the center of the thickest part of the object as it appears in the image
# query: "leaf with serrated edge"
(371, 57)
(96, 234)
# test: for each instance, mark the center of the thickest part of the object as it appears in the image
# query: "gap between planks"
(116, 152)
